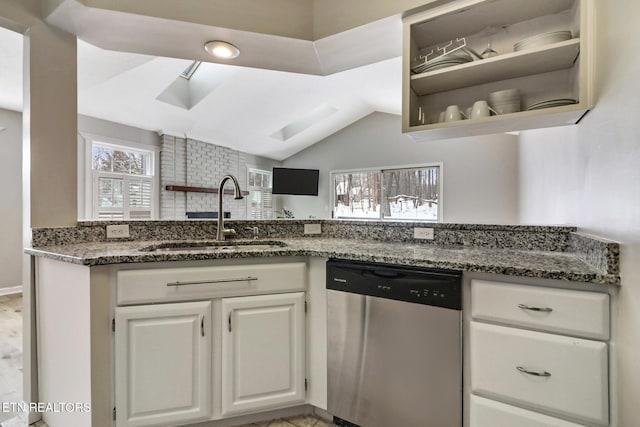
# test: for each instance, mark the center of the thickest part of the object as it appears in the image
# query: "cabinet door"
(163, 364)
(263, 352)
(559, 375)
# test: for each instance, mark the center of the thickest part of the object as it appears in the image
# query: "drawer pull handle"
(208, 282)
(534, 373)
(202, 325)
(528, 307)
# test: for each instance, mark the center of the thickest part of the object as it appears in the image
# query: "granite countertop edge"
(525, 263)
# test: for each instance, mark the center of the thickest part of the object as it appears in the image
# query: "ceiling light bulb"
(221, 49)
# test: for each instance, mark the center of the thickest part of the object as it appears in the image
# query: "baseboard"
(10, 291)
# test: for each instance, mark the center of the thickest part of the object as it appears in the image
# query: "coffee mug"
(481, 109)
(452, 113)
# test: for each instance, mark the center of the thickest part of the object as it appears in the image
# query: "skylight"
(311, 118)
(188, 72)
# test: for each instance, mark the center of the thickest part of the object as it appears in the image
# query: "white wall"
(480, 173)
(551, 176)
(10, 199)
(590, 175)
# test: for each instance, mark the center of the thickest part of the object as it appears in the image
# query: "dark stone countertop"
(526, 263)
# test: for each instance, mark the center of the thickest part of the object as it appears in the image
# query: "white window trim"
(440, 165)
(86, 175)
(251, 168)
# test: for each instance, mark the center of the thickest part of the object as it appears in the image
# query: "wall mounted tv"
(303, 182)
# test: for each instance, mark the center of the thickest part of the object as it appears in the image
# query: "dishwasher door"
(393, 363)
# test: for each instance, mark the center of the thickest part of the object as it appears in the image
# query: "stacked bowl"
(505, 101)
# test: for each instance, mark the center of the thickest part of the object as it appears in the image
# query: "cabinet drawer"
(181, 284)
(489, 413)
(577, 382)
(584, 314)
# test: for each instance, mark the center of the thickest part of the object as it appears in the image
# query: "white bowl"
(505, 94)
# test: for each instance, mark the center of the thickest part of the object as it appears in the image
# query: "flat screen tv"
(303, 182)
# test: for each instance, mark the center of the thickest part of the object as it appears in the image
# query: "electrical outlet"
(423, 233)
(117, 231)
(312, 229)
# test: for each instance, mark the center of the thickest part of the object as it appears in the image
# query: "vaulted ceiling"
(284, 93)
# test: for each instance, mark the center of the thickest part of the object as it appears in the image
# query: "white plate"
(454, 58)
(541, 40)
(551, 103)
(439, 64)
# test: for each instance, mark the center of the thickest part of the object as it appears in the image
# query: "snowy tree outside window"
(122, 182)
(411, 193)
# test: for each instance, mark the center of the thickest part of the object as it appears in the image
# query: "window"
(122, 182)
(260, 201)
(411, 193)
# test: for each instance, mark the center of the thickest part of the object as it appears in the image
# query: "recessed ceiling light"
(221, 49)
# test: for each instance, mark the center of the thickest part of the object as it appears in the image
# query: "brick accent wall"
(198, 164)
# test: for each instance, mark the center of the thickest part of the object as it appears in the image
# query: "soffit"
(271, 34)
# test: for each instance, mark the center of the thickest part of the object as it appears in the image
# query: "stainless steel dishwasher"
(394, 345)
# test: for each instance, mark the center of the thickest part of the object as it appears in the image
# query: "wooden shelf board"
(190, 189)
(556, 56)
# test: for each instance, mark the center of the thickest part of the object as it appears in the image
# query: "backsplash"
(602, 254)
(545, 238)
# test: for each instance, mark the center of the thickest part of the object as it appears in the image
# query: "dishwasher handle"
(386, 274)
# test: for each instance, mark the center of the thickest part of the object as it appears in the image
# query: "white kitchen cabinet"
(489, 413)
(560, 375)
(263, 358)
(563, 69)
(163, 364)
(562, 311)
(531, 363)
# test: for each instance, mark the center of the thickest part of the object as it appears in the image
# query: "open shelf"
(190, 189)
(558, 70)
(475, 15)
(552, 57)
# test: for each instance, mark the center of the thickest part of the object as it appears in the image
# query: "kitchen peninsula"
(119, 294)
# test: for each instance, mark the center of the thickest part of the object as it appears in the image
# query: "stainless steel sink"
(214, 246)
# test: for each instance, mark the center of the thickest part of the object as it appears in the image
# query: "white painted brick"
(197, 163)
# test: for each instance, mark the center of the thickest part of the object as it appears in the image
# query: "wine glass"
(489, 52)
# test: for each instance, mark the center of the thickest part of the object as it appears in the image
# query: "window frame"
(90, 176)
(251, 188)
(439, 165)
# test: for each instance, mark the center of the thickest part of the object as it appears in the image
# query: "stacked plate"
(505, 101)
(551, 103)
(541, 40)
(454, 58)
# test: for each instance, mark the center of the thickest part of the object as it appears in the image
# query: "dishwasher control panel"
(440, 288)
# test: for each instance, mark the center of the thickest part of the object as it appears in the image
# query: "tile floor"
(10, 352)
